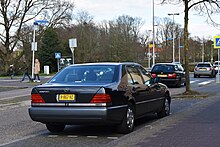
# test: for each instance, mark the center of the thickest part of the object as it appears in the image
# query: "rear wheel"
(127, 124)
(165, 111)
(54, 128)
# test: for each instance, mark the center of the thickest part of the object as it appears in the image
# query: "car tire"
(54, 128)
(195, 76)
(165, 111)
(127, 124)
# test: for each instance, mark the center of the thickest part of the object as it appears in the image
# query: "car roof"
(165, 64)
(106, 63)
(204, 63)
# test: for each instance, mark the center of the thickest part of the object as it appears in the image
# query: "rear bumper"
(169, 81)
(78, 115)
(203, 73)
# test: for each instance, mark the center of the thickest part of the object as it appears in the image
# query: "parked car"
(216, 65)
(99, 93)
(204, 69)
(171, 74)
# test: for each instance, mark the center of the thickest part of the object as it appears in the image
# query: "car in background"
(204, 69)
(170, 74)
(99, 93)
(216, 65)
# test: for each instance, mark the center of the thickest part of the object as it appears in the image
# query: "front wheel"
(165, 111)
(127, 124)
(54, 128)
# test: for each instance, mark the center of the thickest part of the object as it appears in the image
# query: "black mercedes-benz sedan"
(99, 93)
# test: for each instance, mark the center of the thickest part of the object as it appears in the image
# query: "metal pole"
(179, 49)
(218, 68)
(211, 53)
(58, 65)
(148, 56)
(32, 74)
(73, 55)
(173, 36)
(173, 41)
(153, 37)
(203, 51)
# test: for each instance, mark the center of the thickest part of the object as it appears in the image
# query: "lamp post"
(173, 35)
(153, 38)
(33, 48)
(34, 43)
(72, 44)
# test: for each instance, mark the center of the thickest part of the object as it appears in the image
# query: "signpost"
(72, 44)
(217, 46)
(58, 56)
(34, 43)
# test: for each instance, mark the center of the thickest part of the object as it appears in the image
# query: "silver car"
(204, 69)
(216, 66)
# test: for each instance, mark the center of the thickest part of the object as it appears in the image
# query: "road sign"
(216, 42)
(57, 55)
(37, 22)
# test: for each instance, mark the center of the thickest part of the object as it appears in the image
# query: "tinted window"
(145, 75)
(134, 76)
(86, 74)
(203, 65)
(165, 68)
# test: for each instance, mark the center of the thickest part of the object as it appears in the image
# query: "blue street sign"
(57, 55)
(36, 22)
(216, 41)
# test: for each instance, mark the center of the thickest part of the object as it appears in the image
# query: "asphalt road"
(191, 123)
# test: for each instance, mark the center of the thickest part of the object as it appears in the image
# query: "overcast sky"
(111, 9)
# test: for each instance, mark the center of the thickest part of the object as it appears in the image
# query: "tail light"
(172, 75)
(36, 98)
(209, 68)
(153, 75)
(101, 98)
(196, 68)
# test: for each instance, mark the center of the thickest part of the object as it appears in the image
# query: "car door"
(155, 95)
(140, 91)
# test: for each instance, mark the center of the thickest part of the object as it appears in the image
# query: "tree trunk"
(186, 45)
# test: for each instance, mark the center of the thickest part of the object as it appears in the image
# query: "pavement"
(12, 88)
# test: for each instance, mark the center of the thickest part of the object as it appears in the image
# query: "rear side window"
(134, 76)
(165, 68)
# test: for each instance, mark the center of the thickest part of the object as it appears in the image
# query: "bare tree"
(15, 15)
(203, 7)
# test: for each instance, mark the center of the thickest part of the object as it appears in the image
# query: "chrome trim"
(69, 104)
(87, 104)
(118, 107)
(48, 104)
(149, 100)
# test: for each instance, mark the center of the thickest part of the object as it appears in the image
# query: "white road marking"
(24, 138)
(52, 136)
(72, 136)
(206, 82)
(92, 136)
(149, 126)
(113, 138)
(193, 81)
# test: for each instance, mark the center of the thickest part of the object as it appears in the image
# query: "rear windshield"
(86, 74)
(164, 68)
(203, 65)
